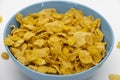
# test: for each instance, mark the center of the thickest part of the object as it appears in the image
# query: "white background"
(110, 9)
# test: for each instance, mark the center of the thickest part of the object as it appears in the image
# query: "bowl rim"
(75, 74)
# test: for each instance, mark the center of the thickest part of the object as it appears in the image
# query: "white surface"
(110, 9)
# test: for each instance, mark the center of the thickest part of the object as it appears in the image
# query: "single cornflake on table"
(114, 77)
(118, 45)
(5, 56)
(0, 19)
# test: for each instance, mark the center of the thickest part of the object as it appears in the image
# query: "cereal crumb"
(0, 19)
(114, 77)
(5, 56)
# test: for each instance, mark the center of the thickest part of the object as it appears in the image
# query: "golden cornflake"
(114, 77)
(5, 55)
(118, 45)
(0, 19)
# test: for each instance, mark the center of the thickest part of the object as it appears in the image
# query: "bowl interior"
(62, 7)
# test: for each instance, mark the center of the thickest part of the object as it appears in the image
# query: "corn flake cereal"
(5, 56)
(0, 19)
(114, 77)
(118, 45)
(57, 43)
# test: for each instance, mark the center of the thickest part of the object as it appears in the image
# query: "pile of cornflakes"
(57, 43)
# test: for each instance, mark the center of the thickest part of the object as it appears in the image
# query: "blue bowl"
(62, 6)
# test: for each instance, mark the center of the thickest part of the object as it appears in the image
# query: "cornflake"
(0, 19)
(114, 77)
(5, 55)
(118, 45)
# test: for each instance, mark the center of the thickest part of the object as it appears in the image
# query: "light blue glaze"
(62, 6)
